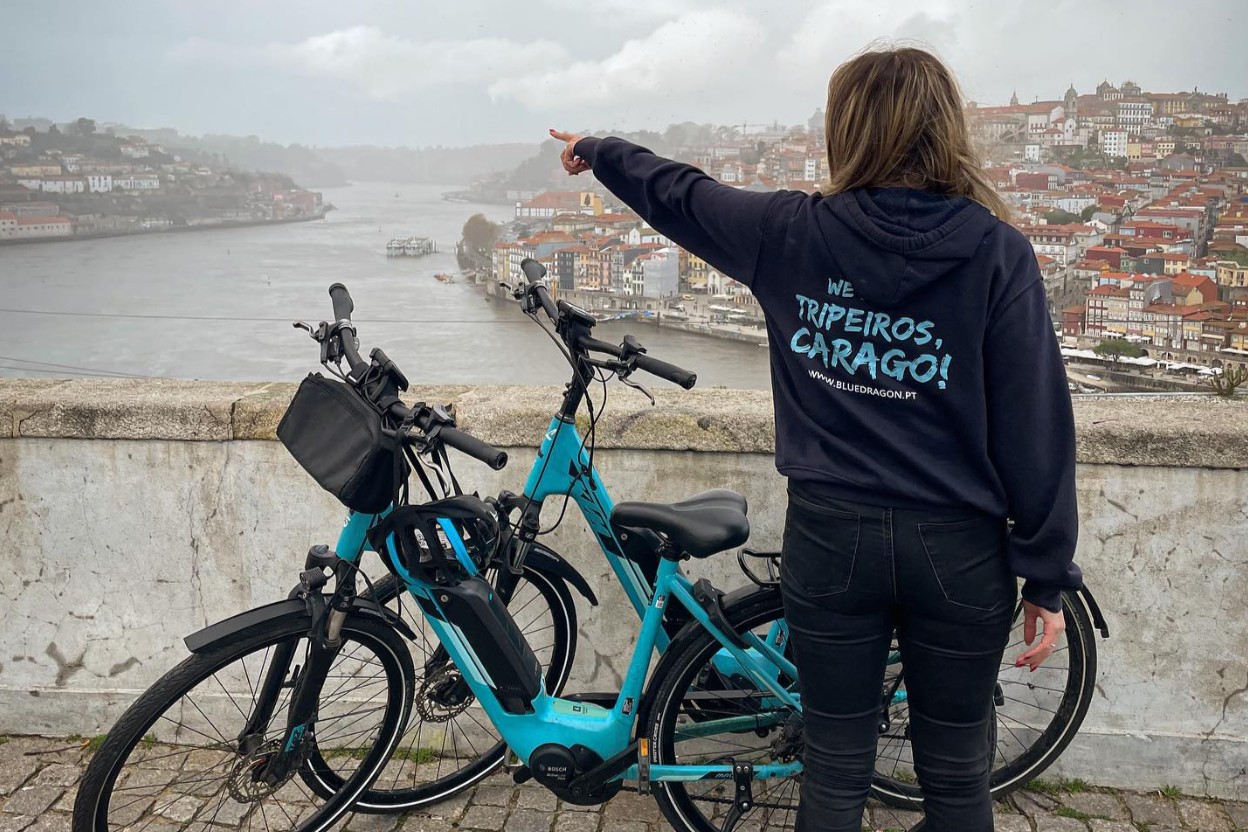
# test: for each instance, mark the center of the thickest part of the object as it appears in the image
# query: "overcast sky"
(415, 72)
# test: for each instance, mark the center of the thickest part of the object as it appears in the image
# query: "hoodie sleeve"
(1031, 440)
(721, 224)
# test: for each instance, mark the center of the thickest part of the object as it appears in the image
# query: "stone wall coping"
(1200, 432)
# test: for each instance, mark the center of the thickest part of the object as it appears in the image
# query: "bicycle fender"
(1094, 610)
(224, 630)
(227, 629)
(546, 560)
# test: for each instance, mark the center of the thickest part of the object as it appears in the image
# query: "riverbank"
(143, 232)
(650, 313)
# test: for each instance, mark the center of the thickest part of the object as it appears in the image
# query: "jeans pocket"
(820, 548)
(968, 559)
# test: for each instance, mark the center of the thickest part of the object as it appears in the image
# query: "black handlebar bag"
(340, 438)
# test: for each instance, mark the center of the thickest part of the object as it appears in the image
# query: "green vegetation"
(88, 743)
(419, 756)
(347, 753)
(1059, 217)
(4, 740)
(148, 741)
(1226, 384)
(1049, 787)
(1067, 812)
(1116, 348)
(478, 237)
(1170, 791)
(1056, 787)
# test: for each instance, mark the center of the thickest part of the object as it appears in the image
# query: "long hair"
(894, 119)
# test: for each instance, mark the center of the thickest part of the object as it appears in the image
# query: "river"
(219, 304)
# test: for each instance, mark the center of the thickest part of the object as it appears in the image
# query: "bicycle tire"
(689, 655)
(97, 788)
(1009, 775)
(381, 799)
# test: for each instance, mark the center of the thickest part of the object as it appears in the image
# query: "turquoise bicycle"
(720, 707)
(1037, 715)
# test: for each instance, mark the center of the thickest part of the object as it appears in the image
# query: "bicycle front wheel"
(178, 754)
(1036, 714)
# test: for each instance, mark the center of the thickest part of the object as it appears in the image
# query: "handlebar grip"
(474, 447)
(670, 372)
(343, 306)
(533, 270)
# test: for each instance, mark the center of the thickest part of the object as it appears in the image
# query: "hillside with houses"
(74, 181)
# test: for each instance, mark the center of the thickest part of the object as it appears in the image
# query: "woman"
(920, 404)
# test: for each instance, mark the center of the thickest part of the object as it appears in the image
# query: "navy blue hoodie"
(912, 355)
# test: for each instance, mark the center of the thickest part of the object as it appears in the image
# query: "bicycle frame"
(606, 731)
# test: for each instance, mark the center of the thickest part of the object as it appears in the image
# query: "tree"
(1087, 213)
(479, 236)
(1060, 217)
(1117, 348)
(83, 127)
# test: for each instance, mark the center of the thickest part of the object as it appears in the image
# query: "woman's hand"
(1054, 625)
(572, 163)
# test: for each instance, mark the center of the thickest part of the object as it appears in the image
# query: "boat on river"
(411, 247)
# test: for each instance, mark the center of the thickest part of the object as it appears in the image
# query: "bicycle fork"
(324, 642)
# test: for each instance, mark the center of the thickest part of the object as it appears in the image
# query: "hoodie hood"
(900, 239)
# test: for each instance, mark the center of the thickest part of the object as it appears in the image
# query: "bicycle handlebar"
(535, 272)
(343, 305)
(668, 372)
(424, 420)
(453, 437)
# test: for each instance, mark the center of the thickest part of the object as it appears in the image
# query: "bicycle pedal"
(643, 766)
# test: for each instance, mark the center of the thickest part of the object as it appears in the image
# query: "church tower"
(1014, 99)
(1071, 102)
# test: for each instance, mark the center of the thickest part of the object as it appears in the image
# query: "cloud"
(688, 54)
(614, 9)
(833, 31)
(382, 66)
(386, 66)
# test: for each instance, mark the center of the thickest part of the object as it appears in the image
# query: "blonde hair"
(894, 119)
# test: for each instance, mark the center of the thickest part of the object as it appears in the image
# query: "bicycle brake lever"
(630, 383)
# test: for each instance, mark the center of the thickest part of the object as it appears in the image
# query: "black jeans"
(850, 574)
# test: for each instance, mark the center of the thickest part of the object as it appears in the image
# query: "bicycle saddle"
(702, 525)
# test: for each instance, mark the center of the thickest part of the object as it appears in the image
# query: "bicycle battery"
(510, 667)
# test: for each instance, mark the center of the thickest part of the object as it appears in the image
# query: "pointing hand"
(572, 163)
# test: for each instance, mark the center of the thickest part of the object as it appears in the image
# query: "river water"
(218, 304)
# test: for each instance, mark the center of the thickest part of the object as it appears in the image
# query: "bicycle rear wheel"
(693, 695)
(1037, 714)
(175, 756)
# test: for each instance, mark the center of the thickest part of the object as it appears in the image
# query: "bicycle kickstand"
(743, 799)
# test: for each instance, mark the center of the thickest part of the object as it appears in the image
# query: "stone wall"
(132, 513)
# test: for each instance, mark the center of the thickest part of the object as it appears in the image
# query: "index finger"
(561, 136)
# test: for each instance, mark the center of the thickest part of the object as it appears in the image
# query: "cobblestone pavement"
(38, 779)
